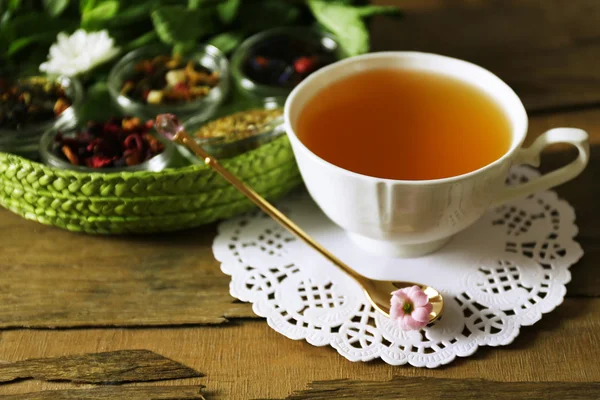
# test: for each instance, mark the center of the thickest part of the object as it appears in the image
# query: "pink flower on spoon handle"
(410, 308)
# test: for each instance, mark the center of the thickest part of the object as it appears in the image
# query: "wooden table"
(166, 294)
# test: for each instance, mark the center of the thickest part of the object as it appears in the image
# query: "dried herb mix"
(238, 126)
(30, 101)
(119, 142)
(169, 80)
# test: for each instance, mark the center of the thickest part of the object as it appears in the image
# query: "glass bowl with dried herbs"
(230, 134)
(29, 106)
(118, 145)
(150, 81)
(273, 62)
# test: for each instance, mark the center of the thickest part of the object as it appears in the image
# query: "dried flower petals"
(119, 142)
(30, 101)
(167, 80)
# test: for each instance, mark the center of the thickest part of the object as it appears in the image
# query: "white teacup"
(412, 218)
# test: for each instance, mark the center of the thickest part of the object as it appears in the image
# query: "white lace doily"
(502, 273)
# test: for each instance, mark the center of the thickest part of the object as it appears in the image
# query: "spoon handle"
(183, 138)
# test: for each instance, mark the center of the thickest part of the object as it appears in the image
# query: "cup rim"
(517, 141)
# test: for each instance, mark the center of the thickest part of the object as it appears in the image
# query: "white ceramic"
(412, 218)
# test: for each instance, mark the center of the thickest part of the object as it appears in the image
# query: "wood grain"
(248, 360)
(401, 388)
(54, 278)
(109, 367)
(547, 50)
(104, 393)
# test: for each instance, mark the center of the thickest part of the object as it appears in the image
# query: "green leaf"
(14, 5)
(355, 2)
(141, 41)
(226, 41)
(183, 48)
(345, 22)
(177, 24)
(195, 4)
(94, 17)
(17, 35)
(55, 7)
(369, 11)
(6, 34)
(21, 43)
(265, 14)
(98, 105)
(86, 5)
(133, 14)
(228, 10)
(44, 27)
(30, 60)
(5, 19)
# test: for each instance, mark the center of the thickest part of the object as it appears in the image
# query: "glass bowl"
(221, 149)
(25, 142)
(314, 38)
(50, 158)
(207, 56)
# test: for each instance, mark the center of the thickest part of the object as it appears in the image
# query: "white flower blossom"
(78, 53)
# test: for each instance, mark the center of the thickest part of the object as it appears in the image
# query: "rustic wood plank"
(103, 393)
(547, 50)
(401, 388)
(109, 367)
(249, 360)
(54, 278)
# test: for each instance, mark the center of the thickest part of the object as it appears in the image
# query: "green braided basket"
(142, 202)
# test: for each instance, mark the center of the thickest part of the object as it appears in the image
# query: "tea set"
(403, 218)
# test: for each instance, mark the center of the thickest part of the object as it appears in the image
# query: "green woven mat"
(132, 202)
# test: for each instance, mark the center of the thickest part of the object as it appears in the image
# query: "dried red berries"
(30, 101)
(119, 142)
(306, 65)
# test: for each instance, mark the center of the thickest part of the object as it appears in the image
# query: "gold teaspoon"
(377, 291)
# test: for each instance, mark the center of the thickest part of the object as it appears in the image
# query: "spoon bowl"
(380, 292)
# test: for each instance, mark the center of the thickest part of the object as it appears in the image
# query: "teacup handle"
(531, 156)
